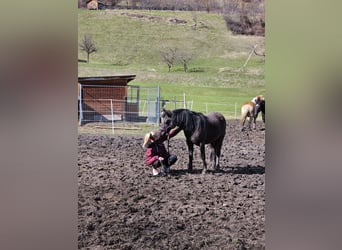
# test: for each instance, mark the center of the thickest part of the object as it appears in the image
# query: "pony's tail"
(243, 118)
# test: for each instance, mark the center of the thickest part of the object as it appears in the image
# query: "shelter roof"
(106, 79)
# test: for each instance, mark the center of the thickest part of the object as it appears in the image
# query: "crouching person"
(156, 154)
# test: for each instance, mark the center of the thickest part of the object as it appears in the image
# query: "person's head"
(150, 138)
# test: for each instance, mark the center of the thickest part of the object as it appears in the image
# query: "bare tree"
(185, 57)
(169, 56)
(88, 45)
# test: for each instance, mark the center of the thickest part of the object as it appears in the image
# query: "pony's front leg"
(212, 156)
(191, 152)
(202, 147)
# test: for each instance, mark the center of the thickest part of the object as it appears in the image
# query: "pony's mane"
(186, 119)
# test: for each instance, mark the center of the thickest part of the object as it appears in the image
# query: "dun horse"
(199, 130)
(250, 110)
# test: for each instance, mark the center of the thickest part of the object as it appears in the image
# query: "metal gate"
(104, 103)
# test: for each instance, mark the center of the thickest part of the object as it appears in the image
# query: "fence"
(132, 104)
(228, 106)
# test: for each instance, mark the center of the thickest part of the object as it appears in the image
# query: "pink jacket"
(154, 151)
(157, 148)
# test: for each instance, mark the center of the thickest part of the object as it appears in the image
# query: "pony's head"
(182, 118)
(258, 99)
(166, 118)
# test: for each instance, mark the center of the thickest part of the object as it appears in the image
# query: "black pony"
(198, 129)
(260, 107)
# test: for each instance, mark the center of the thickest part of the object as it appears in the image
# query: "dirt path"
(122, 207)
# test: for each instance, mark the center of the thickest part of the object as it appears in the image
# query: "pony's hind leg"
(191, 152)
(212, 156)
(202, 147)
(242, 121)
(254, 122)
(217, 149)
(250, 121)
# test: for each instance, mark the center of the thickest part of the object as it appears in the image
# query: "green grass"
(128, 45)
(204, 99)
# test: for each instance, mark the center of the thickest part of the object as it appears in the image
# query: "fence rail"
(108, 110)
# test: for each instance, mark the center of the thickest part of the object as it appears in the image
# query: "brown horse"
(199, 129)
(250, 110)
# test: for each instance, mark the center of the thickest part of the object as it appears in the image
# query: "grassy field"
(131, 41)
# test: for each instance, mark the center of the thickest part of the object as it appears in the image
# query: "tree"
(185, 57)
(88, 45)
(169, 56)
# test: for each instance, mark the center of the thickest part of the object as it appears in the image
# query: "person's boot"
(172, 160)
(164, 169)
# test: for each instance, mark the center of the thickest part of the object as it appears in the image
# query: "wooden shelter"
(99, 96)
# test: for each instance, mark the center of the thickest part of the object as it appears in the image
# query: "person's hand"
(163, 132)
(160, 158)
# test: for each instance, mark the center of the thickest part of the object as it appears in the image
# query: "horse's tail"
(243, 117)
(247, 109)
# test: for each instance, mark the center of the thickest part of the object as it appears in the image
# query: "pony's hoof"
(218, 170)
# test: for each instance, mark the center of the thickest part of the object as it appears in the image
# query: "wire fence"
(114, 110)
(141, 105)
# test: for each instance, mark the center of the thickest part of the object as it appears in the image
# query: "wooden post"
(112, 111)
(80, 105)
(158, 106)
(250, 55)
(184, 99)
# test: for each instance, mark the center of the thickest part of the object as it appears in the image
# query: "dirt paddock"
(120, 206)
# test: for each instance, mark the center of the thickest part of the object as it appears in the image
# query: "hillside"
(131, 41)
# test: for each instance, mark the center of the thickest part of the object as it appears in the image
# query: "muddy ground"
(120, 206)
